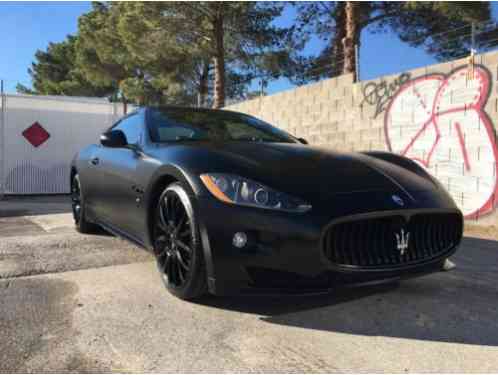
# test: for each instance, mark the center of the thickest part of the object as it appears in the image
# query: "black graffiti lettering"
(380, 93)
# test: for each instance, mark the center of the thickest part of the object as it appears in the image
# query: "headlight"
(238, 190)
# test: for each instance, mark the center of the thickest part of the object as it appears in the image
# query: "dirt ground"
(75, 303)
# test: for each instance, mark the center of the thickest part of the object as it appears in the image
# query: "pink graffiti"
(439, 121)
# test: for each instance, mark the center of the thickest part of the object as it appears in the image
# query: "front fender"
(163, 176)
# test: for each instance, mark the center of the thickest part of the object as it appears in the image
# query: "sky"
(28, 26)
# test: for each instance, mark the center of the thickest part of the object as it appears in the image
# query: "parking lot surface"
(70, 302)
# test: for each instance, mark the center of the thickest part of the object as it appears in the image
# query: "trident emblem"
(402, 240)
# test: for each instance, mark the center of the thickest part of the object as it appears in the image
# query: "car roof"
(196, 109)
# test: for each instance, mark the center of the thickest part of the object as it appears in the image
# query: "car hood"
(308, 170)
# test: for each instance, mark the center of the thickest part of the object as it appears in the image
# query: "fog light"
(239, 240)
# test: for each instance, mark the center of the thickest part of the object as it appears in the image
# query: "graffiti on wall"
(378, 94)
(440, 121)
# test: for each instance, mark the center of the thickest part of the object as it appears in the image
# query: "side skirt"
(119, 233)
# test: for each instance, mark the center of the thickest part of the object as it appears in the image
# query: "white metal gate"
(39, 136)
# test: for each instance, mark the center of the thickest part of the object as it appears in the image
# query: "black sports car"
(229, 204)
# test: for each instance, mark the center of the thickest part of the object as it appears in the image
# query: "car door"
(119, 188)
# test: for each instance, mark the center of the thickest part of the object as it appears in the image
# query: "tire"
(177, 244)
(78, 207)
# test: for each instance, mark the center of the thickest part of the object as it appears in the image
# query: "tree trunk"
(352, 17)
(203, 84)
(125, 104)
(337, 47)
(219, 61)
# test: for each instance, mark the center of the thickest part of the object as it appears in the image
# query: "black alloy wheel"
(177, 245)
(78, 208)
(175, 239)
(76, 199)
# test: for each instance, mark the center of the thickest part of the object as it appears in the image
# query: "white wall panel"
(72, 123)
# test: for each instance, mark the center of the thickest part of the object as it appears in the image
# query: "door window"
(132, 127)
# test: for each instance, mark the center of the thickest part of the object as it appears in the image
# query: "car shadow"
(33, 205)
(99, 231)
(460, 306)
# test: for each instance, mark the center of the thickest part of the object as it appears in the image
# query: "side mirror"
(113, 138)
(303, 141)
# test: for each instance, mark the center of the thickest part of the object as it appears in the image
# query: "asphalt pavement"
(75, 303)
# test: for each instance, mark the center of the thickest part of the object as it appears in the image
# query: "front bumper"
(284, 252)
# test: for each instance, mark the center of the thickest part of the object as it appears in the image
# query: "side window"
(132, 127)
(165, 129)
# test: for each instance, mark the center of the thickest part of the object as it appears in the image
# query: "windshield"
(181, 124)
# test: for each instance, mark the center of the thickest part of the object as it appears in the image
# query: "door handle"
(95, 161)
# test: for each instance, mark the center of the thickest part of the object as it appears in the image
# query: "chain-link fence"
(468, 40)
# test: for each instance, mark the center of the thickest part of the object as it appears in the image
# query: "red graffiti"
(439, 121)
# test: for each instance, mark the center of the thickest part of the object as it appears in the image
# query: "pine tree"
(55, 72)
(226, 36)
(340, 25)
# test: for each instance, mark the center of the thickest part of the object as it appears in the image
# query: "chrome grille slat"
(371, 242)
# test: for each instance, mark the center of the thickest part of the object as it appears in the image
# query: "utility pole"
(473, 38)
(470, 70)
(357, 62)
(2, 141)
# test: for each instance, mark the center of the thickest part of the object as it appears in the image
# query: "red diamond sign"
(36, 134)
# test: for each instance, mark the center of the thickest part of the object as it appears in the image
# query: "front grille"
(378, 242)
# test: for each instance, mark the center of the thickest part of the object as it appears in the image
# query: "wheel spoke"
(170, 209)
(169, 270)
(182, 262)
(162, 223)
(176, 271)
(180, 272)
(181, 222)
(164, 203)
(161, 239)
(163, 250)
(183, 246)
(186, 232)
(178, 205)
(166, 262)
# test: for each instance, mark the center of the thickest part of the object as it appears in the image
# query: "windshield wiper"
(188, 139)
(249, 139)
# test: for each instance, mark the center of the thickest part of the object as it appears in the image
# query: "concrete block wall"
(443, 116)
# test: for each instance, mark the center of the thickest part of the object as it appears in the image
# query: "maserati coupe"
(229, 204)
